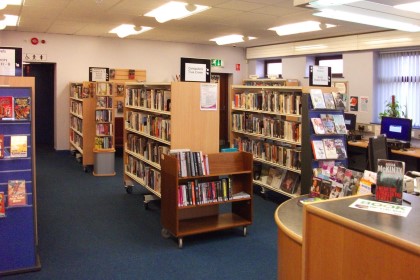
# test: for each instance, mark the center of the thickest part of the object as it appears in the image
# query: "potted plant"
(392, 109)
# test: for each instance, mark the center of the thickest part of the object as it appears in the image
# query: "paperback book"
(317, 99)
(22, 108)
(1, 146)
(328, 122)
(336, 190)
(340, 125)
(390, 181)
(316, 187)
(329, 100)
(340, 148)
(318, 126)
(330, 149)
(339, 100)
(18, 146)
(16, 193)
(318, 149)
(2, 205)
(325, 189)
(6, 107)
(290, 182)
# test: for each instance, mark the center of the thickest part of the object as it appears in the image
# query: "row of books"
(76, 139)
(104, 129)
(284, 180)
(329, 124)
(76, 107)
(191, 163)
(271, 82)
(156, 126)
(157, 99)
(197, 193)
(76, 123)
(16, 196)
(267, 126)
(103, 115)
(103, 142)
(103, 88)
(270, 101)
(329, 148)
(284, 155)
(327, 100)
(15, 108)
(103, 102)
(76, 91)
(16, 148)
(149, 149)
(150, 176)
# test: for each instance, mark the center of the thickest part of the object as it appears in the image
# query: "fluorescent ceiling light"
(229, 39)
(125, 30)
(294, 28)
(310, 47)
(4, 3)
(369, 18)
(175, 10)
(327, 3)
(411, 7)
(9, 20)
(388, 41)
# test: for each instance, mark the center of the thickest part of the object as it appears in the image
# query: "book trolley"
(18, 226)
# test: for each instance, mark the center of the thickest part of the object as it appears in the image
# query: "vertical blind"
(399, 75)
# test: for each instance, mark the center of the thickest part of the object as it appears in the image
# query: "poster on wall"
(364, 103)
(98, 74)
(195, 70)
(319, 76)
(10, 61)
(208, 97)
(354, 103)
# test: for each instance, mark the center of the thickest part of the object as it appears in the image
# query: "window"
(399, 75)
(335, 62)
(273, 67)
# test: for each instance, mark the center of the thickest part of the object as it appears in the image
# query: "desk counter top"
(411, 152)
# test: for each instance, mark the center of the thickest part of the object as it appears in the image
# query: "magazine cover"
(390, 181)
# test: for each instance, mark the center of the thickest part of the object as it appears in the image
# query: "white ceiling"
(246, 17)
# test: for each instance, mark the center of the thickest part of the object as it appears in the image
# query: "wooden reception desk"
(329, 240)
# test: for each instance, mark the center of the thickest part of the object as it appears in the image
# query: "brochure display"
(18, 238)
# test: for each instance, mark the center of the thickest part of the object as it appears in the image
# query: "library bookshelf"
(82, 124)
(180, 221)
(104, 147)
(159, 117)
(266, 121)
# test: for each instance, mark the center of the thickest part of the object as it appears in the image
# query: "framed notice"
(10, 61)
(319, 76)
(98, 74)
(195, 70)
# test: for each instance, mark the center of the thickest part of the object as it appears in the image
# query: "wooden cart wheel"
(129, 189)
(244, 230)
(165, 233)
(180, 242)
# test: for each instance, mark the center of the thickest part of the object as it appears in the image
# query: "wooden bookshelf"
(82, 122)
(181, 125)
(181, 221)
(266, 121)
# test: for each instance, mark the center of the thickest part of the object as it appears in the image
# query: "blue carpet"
(90, 228)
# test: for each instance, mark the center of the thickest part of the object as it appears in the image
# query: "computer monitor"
(397, 128)
(350, 121)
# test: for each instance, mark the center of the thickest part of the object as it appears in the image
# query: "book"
(339, 123)
(289, 182)
(318, 126)
(22, 108)
(278, 178)
(317, 99)
(327, 167)
(18, 146)
(315, 190)
(390, 181)
(16, 193)
(6, 107)
(365, 187)
(2, 205)
(339, 100)
(329, 100)
(328, 122)
(351, 181)
(325, 189)
(308, 200)
(339, 177)
(340, 148)
(336, 190)
(1, 146)
(318, 149)
(329, 148)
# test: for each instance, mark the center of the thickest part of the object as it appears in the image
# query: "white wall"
(358, 72)
(74, 55)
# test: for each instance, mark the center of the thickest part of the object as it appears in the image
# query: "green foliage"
(393, 110)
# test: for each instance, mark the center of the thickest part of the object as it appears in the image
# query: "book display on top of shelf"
(156, 118)
(266, 121)
(317, 98)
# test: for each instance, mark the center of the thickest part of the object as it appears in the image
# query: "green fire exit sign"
(217, 62)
